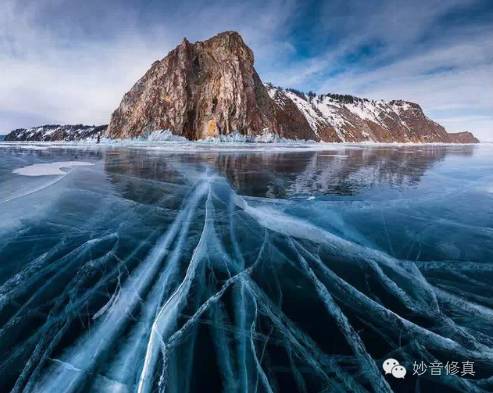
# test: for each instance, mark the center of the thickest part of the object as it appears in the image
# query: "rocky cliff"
(56, 132)
(345, 118)
(210, 88)
(462, 137)
(203, 90)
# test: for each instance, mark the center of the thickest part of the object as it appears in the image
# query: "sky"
(68, 62)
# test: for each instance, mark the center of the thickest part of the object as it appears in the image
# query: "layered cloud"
(67, 62)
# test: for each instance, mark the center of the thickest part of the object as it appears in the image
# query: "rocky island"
(56, 132)
(211, 88)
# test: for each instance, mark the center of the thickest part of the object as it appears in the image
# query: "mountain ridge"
(348, 118)
(56, 132)
(210, 89)
(205, 89)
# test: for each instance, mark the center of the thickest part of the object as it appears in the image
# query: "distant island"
(56, 132)
(210, 88)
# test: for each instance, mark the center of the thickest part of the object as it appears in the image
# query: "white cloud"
(452, 79)
(56, 69)
(447, 74)
(64, 82)
(52, 77)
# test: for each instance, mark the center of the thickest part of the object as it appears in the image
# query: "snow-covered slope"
(56, 132)
(344, 118)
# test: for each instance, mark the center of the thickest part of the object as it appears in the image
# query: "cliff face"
(211, 88)
(462, 137)
(344, 118)
(56, 132)
(202, 90)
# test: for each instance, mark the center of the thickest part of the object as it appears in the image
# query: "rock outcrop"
(56, 132)
(345, 118)
(462, 137)
(206, 89)
(210, 89)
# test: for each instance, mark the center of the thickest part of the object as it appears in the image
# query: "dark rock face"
(211, 88)
(203, 90)
(344, 118)
(462, 137)
(56, 132)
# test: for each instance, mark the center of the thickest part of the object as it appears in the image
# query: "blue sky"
(71, 61)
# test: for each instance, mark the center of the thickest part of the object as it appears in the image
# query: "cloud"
(54, 79)
(403, 50)
(67, 62)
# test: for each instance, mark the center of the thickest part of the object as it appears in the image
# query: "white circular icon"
(389, 364)
(392, 366)
(399, 371)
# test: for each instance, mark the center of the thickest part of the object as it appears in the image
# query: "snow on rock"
(163, 136)
(56, 132)
(266, 136)
(345, 118)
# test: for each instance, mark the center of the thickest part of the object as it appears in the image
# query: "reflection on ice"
(180, 273)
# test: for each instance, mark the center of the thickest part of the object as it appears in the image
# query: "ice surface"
(50, 169)
(241, 270)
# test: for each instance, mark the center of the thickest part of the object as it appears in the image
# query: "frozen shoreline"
(216, 145)
(166, 140)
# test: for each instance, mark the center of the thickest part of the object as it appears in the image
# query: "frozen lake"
(177, 268)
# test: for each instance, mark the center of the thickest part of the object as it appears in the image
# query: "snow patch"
(50, 169)
(163, 136)
(267, 136)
